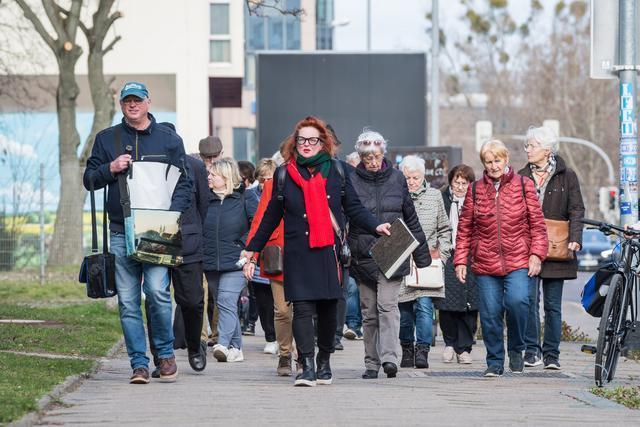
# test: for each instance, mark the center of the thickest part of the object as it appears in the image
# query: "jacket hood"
(380, 176)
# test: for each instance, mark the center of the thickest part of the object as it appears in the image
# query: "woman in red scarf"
(310, 195)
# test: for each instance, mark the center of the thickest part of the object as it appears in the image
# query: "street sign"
(484, 132)
(604, 39)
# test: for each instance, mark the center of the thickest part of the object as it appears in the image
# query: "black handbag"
(272, 260)
(98, 270)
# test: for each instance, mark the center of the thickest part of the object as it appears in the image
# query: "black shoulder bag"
(98, 270)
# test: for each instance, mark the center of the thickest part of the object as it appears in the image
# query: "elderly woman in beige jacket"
(416, 305)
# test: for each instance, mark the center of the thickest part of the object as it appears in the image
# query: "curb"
(69, 384)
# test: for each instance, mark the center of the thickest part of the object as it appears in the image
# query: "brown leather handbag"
(558, 234)
(272, 260)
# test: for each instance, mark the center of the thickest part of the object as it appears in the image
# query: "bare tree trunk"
(66, 244)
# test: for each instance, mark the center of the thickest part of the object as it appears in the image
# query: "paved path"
(249, 393)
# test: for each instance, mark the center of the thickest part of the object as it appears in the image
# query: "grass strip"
(54, 291)
(25, 379)
(88, 329)
(628, 396)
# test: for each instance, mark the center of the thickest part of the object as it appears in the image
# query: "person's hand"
(574, 246)
(248, 270)
(384, 229)
(534, 265)
(121, 163)
(246, 254)
(461, 273)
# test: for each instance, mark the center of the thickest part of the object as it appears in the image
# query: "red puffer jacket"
(501, 229)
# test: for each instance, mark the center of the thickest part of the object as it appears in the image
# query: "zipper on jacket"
(137, 154)
(497, 201)
(218, 233)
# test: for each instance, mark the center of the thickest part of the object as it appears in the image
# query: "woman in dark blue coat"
(310, 192)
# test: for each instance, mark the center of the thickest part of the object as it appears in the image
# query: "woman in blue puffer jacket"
(225, 231)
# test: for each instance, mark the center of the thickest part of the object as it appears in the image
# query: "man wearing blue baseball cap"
(114, 148)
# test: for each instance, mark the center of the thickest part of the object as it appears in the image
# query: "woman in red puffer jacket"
(502, 229)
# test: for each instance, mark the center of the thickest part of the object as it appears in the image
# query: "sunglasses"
(367, 143)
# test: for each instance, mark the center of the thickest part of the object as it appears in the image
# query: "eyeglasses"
(370, 158)
(529, 146)
(133, 100)
(314, 140)
(460, 184)
(378, 143)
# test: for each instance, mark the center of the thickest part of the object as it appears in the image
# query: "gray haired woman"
(559, 194)
(416, 305)
(383, 190)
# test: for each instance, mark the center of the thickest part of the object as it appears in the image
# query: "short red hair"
(289, 150)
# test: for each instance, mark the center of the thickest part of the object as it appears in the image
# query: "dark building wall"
(386, 92)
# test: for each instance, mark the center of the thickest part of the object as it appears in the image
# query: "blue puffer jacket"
(156, 142)
(225, 230)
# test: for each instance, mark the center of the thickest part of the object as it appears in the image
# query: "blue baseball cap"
(135, 89)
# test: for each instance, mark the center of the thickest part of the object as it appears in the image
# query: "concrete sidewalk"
(250, 393)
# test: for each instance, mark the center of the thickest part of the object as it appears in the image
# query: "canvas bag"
(152, 231)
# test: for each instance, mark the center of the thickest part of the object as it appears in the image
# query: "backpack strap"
(340, 169)
(524, 196)
(125, 200)
(282, 175)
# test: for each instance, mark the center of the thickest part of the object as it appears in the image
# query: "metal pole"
(435, 75)
(42, 260)
(368, 25)
(628, 193)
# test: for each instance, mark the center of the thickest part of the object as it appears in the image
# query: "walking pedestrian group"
(288, 242)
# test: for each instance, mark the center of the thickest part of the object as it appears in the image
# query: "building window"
(244, 144)
(219, 33)
(324, 20)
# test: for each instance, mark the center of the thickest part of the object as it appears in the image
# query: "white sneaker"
(464, 358)
(221, 353)
(448, 355)
(271, 348)
(235, 355)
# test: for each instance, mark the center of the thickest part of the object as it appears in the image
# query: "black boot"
(323, 371)
(422, 356)
(390, 369)
(408, 355)
(307, 378)
(198, 360)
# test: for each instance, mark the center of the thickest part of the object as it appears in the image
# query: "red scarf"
(317, 207)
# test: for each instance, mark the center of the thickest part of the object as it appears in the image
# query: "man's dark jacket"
(192, 220)
(156, 142)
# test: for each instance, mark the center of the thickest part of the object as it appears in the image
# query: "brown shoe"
(284, 366)
(168, 368)
(140, 376)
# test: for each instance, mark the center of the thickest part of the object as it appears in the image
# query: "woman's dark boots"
(422, 356)
(323, 372)
(408, 355)
(307, 378)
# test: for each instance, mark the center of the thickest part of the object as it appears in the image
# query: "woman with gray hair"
(559, 194)
(416, 305)
(383, 190)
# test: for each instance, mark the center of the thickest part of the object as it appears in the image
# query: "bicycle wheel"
(608, 347)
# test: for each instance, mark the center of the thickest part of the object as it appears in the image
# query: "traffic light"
(613, 192)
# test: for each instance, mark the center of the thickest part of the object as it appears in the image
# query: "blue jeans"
(130, 275)
(420, 313)
(354, 315)
(226, 288)
(552, 291)
(498, 294)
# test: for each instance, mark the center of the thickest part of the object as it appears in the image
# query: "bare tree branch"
(111, 45)
(56, 21)
(255, 7)
(41, 30)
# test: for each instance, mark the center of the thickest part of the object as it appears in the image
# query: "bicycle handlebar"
(609, 228)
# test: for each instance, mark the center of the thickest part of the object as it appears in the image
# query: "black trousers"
(459, 329)
(264, 301)
(303, 330)
(341, 311)
(254, 311)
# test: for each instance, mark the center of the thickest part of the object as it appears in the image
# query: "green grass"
(25, 379)
(75, 326)
(30, 292)
(628, 396)
(82, 329)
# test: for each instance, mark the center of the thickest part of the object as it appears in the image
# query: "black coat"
(225, 230)
(386, 195)
(310, 274)
(192, 220)
(458, 296)
(562, 201)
